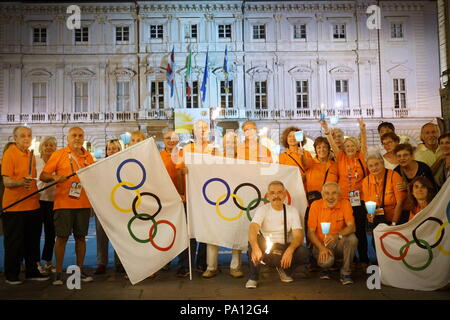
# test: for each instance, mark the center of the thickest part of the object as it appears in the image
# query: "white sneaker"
(283, 276)
(251, 284)
(41, 268)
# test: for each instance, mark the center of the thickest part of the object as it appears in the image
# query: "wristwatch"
(339, 236)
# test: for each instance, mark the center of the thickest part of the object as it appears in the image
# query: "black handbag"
(273, 259)
(316, 195)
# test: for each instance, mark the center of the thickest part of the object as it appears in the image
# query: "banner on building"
(185, 118)
(416, 255)
(224, 193)
(138, 207)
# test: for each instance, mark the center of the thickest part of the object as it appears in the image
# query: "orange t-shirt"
(315, 174)
(256, 152)
(371, 191)
(351, 172)
(285, 158)
(15, 164)
(339, 216)
(59, 164)
(170, 166)
(413, 212)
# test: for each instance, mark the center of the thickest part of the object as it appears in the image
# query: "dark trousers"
(359, 213)
(300, 256)
(199, 252)
(22, 231)
(49, 230)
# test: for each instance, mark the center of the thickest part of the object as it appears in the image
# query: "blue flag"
(205, 79)
(225, 70)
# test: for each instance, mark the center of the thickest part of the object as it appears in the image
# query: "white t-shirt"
(271, 222)
(48, 194)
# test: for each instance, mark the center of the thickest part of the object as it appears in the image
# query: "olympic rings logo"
(135, 205)
(421, 243)
(236, 199)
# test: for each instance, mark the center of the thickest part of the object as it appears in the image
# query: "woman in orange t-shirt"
(421, 192)
(319, 170)
(351, 171)
(294, 154)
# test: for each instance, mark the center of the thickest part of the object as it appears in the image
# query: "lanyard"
(71, 163)
(349, 174)
(383, 190)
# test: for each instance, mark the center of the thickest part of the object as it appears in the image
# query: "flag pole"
(188, 235)
(34, 193)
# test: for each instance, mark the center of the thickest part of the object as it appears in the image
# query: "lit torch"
(269, 245)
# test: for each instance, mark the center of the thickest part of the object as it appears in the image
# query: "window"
(226, 98)
(123, 96)
(122, 34)
(301, 89)
(259, 31)
(156, 31)
(261, 94)
(342, 94)
(192, 101)
(190, 31)
(300, 31)
(396, 30)
(82, 35)
(39, 35)
(39, 97)
(339, 31)
(399, 94)
(157, 94)
(81, 96)
(225, 31)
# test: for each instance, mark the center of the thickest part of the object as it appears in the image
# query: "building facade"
(288, 61)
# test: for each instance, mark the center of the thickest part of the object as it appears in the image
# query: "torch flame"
(269, 245)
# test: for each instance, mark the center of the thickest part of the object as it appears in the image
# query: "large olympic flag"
(223, 196)
(138, 207)
(416, 255)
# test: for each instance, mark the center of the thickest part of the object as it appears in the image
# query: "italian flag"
(189, 75)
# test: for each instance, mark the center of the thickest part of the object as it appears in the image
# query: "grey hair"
(45, 140)
(326, 184)
(16, 129)
(276, 182)
(375, 155)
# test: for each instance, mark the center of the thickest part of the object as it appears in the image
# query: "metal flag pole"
(189, 239)
(34, 193)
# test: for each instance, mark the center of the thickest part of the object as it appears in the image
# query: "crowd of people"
(341, 176)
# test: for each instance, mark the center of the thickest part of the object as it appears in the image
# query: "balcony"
(400, 113)
(168, 114)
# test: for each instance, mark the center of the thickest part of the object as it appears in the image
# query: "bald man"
(428, 151)
(72, 207)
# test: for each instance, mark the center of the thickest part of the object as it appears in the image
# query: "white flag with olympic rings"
(416, 255)
(138, 207)
(223, 196)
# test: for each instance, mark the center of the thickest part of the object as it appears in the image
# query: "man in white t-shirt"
(269, 219)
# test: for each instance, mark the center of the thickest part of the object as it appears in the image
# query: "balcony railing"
(168, 114)
(400, 113)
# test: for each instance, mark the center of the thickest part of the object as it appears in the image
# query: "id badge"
(379, 211)
(75, 190)
(354, 197)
